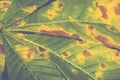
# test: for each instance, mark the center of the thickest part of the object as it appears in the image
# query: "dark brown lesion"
(103, 66)
(42, 52)
(16, 22)
(117, 9)
(105, 41)
(103, 10)
(117, 53)
(41, 49)
(65, 54)
(91, 28)
(86, 53)
(62, 34)
(30, 53)
(60, 5)
(6, 4)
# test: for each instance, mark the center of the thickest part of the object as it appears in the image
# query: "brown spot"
(65, 54)
(97, 4)
(86, 53)
(17, 22)
(55, 33)
(117, 53)
(41, 49)
(103, 66)
(107, 43)
(60, 5)
(30, 52)
(62, 34)
(2, 49)
(117, 9)
(113, 29)
(102, 39)
(76, 37)
(116, 57)
(90, 28)
(6, 5)
(42, 54)
(50, 15)
(103, 10)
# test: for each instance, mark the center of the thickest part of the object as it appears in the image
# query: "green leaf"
(72, 39)
(37, 68)
(71, 72)
(20, 9)
(77, 10)
(33, 65)
(85, 55)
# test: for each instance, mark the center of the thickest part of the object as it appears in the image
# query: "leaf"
(69, 70)
(82, 11)
(85, 55)
(83, 37)
(32, 69)
(15, 13)
(37, 68)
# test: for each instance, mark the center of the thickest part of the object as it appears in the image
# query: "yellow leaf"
(30, 9)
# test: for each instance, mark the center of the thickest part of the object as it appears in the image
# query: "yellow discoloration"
(90, 9)
(90, 30)
(20, 47)
(22, 23)
(81, 58)
(4, 4)
(19, 21)
(74, 71)
(20, 34)
(102, 66)
(2, 60)
(116, 57)
(53, 12)
(24, 52)
(98, 74)
(97, 14)
(30, 9)
(118, 27)
(108, 41)
(109, 5)
(71, 18)
(57, 5)
(49, 28)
